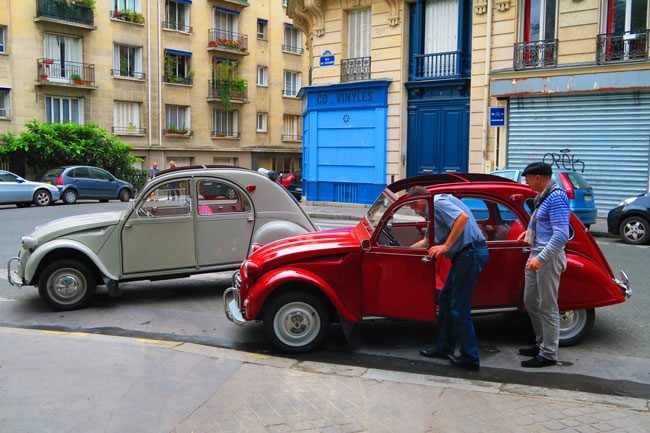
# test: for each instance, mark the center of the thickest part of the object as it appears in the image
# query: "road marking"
(6, 299)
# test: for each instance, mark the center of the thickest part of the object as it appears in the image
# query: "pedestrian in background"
(548, 233)
(174, 190)
(153, 171)
(459, 238)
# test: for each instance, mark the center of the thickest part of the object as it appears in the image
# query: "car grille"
(236, 280)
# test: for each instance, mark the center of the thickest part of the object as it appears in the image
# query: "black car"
(81, 181)
(631, 220)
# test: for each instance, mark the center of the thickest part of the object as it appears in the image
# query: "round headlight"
(251, 269)
(627, 201)
(29, 242)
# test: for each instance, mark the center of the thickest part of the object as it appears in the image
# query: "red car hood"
(307, 246)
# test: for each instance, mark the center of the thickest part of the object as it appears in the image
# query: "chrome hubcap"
(67, 286)
(634, 230)
(296, 324)
(571, 322)
(42, 198)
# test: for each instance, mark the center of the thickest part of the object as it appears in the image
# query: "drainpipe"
(149, 59)
(159, 57)
(486, 85)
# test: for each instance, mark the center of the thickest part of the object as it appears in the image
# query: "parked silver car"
(185, 221)
(21, 192)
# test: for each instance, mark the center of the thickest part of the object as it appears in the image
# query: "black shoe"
(460, 362)
(537, 362)
(433, 353)
(529, 351)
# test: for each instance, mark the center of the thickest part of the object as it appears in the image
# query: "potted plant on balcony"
(212, 44)
(76, 78)
(43, 76)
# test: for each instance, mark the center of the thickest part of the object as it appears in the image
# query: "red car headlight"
(251, 269)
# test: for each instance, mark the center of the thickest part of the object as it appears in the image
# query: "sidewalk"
(56, 381)
(354, 212)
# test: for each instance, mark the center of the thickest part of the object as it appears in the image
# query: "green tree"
(47, 145)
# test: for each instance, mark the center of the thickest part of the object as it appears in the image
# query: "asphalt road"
(615, 358)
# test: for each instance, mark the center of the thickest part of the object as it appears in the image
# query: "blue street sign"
(497, 116)
(327, 59)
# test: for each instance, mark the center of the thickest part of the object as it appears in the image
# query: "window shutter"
(359, 33)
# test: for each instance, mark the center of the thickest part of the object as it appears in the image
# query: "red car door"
(396, 282)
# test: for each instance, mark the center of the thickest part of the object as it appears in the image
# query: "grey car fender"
(275, 230)
(39, 253)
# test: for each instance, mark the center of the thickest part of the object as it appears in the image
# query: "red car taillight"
(59, 180)
(567, 185)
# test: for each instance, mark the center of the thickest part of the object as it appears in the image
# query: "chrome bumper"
(231, 306)
(12, 275)
(624, 283)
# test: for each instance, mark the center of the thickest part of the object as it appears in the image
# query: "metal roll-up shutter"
(604, 137)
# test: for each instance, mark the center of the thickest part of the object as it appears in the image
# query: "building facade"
(574, 79)
(203, 82)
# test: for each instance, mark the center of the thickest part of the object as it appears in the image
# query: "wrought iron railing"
(174, 79)
(60, 10)
(437, 65)
(217, 88)
(355, 69)
(128, 15)
(128, 130)
(226, 134)
(625, 47)
(127, 73)
(290, 137)
(535, 54)
(62, 71)
(292, 49)
(173, 25)
(226, 40)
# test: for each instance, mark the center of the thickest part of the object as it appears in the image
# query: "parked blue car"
(581, 194)
(21, 192)
(82, 181)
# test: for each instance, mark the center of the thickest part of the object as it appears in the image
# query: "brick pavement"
(311, 397)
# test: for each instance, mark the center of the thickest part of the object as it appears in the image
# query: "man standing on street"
(457, 237)
(548, 233)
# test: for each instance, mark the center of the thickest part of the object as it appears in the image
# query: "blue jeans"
(454, 320)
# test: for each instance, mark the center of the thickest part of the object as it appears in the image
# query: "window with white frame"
(225, 123)
(624, 31)
(262, 119)
(133, 5)
(66, 54)
(127, 61)
(292, 39)
(177, 16)
(262, 29)
(291, 83)
(359, 33)
(226, 23)
(4, 103)
(291, 128)
(538, 20)
(126, 117)
(262, 76)
(62, 110)
(177, 119)
(3, 39)
(177, 68)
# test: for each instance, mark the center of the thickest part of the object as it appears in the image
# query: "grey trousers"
(540, 298)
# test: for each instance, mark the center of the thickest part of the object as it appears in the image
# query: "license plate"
(588, 198)
(49, 182)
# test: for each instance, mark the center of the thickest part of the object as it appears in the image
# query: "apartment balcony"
(240, 3)
(128, 16)
(535, 54)
(51, 72)
(227, 42)
(292, 138)
(291, 49)
(174, 25)
(174, 132)
(77, 14)
(224, 134)
(233, 91)
(620, 48)
(356, 69)
(436, 65)
(128, 130)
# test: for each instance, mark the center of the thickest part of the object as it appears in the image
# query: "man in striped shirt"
(548, 234)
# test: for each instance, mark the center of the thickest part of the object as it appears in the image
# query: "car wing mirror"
(365, 245)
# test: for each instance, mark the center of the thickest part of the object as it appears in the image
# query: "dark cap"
(541, 168)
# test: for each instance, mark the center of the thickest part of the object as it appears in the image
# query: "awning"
(5, 89)
(178, 52)
(185, 2)
(224, 59)
(262, 21)
(226, 11)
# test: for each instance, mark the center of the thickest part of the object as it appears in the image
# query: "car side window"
(497, 221)
(101, 174)
(79, 172)
(407, 226)
(6, 177)
(216, 196)
(167, 200)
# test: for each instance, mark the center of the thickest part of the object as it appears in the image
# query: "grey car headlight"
(29, 242)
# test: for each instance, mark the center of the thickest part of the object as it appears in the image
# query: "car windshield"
(377, 210)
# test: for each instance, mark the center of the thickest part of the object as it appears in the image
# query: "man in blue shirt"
(457, 237)
(548, 233)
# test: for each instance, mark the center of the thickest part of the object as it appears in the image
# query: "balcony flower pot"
(212, 44)
(43, 77)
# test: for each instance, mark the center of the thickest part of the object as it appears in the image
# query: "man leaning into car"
(548, 233)
(457, 237)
